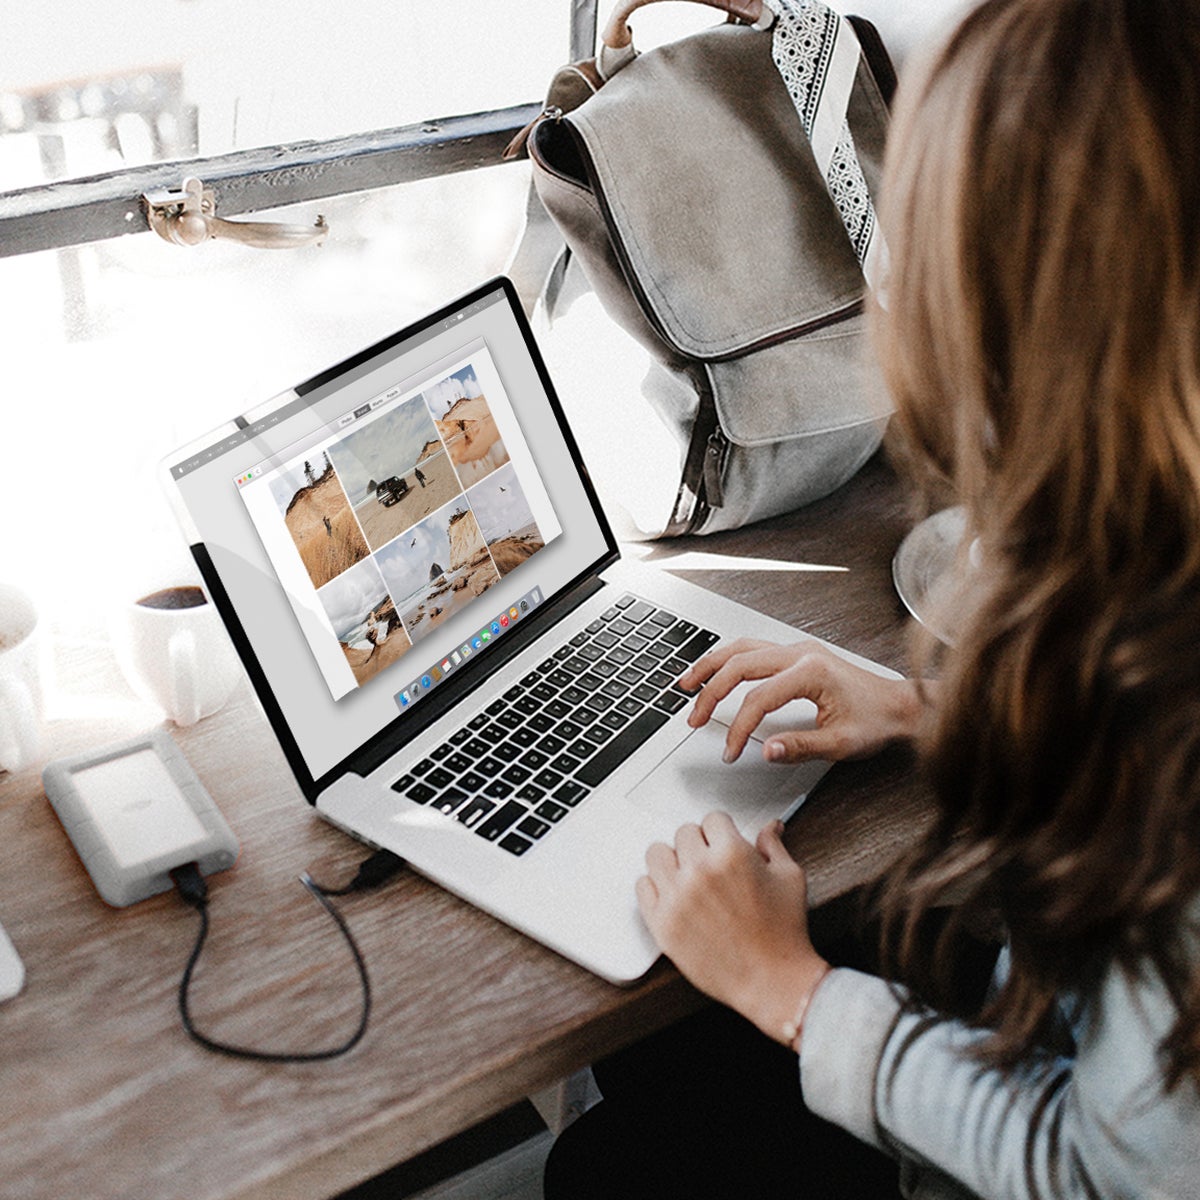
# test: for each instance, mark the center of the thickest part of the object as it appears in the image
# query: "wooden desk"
(103, 1095)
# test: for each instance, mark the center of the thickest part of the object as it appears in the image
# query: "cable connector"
(191, 885)
(377, 869)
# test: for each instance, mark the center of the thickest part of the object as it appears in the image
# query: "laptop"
(459, 665)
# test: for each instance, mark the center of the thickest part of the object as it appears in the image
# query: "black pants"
(710, 1109)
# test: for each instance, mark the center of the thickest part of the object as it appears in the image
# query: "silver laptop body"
(414, 567)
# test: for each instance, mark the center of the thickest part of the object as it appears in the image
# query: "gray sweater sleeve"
(1099, 1124)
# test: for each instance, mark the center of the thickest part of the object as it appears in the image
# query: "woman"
(1042, 343)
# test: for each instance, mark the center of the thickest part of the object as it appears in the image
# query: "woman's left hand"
(733, 917)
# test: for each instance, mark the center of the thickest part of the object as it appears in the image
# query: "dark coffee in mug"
(174, 597)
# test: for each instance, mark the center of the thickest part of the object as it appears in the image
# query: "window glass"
(87, 88)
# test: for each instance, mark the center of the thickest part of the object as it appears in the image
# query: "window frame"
(73, 212)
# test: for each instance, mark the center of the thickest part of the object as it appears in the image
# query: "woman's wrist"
(779, 1006)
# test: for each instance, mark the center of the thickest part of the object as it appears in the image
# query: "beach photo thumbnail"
(467, 425)
(505, 519)
(365, 620)
(395, 471)
(318, 516)
(436, 569)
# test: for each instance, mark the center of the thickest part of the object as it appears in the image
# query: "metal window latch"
(189, 216)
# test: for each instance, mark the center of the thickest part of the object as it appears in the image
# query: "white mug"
(20, 681)
(174, 651)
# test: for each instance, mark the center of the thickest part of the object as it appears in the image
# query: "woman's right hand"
(858, 712)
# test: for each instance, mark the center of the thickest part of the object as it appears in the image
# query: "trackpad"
(692, 781)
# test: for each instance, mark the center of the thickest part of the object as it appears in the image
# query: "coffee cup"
(174, 651)
(20, 680)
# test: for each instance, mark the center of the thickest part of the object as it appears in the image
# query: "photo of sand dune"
(505, 519)
(395, 471)
(466, 425)
(437, 569)
(365, 621)
(318, 516)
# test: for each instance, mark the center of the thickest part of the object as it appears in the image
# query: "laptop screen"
(376, 534)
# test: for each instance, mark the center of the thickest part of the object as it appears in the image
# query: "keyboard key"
(589, 681)
(514, 844)
(658, 650)
(474, 812)
(558, 709)
(625, 601)
(660, 680)
(671, 702)
(508, 814)
(549, 811)
(441, 752)
(564, 764)
(423, 767)
(541, 723)
(489, 766)
(439, 778)
(528, 705)
(543, 692)
(472, 781)
(559, 678)
(569, 730)
(514, 693)
(516, 773)
(595, 626)
(499, 789)
(636, 642)
(421, 793)
(638, 611)
(676, 666)
(605, 668)
(547, 778)
(506, 721)
(495, 707)
(630, 707)
(459, 736)
(573, 695)
(403, 783)
(630, 676)
(533, 827)
(620, 655)
(600, 734)
(449, 800)
(609, 613)
(478, 722)
(579, 639)
(575, 665)
(457, 762)
(530, 679)
(551, 744)
(599, 703)
(645, 663)
(570, 793)
(679, 633)
(531, 794)
(475, 748)
(538, 758)
(606, 639)
(602, 765)
(663, 618)
(525, 736)
(645, 692)
(506, 752)
(621, 627)
(698, 645)
(614, 720)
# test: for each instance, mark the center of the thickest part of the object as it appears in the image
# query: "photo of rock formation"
(466, 425)
(318, 516)
(395, 471)
(438, 568)
(365, 621)
(504, 517)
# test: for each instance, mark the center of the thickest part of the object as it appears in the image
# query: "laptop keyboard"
(514, 771)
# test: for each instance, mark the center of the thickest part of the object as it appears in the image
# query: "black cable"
(194, 891)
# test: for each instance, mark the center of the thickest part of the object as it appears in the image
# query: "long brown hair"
(1042, 342)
